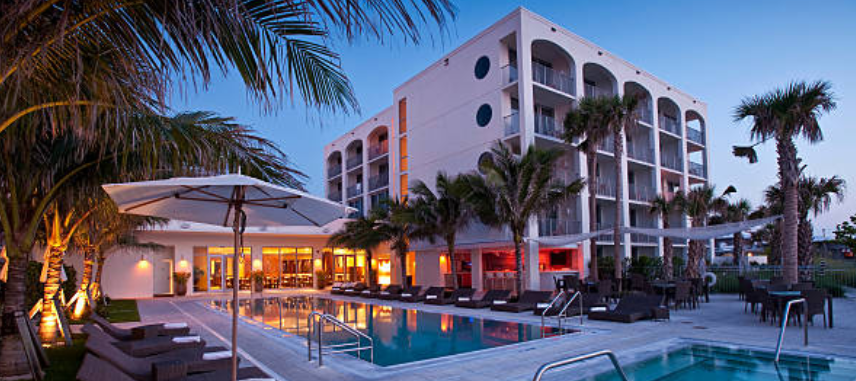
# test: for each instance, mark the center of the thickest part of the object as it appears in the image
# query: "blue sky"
(718, 51)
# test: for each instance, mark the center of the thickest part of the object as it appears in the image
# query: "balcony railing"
(642, 193)
(671, 162)
(378, 150)
(697, 169)
(359, 209)
(334, 171)
(355, 190)
(670, 125)
(695, 135)
(643, 112)
(512, 124)
(553, 226)
(334, 196)
(642, 238)
(509, 73)
(355, 161)
(379, 181)
(644, 155)
(548, 126)
(551, 78)
(605, 187)
(607, 237)
(607, 145)
(594, 91)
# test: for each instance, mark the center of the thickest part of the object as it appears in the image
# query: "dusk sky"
(717, 51)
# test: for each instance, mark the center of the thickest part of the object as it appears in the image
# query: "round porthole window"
(483, 115)
(482, 67)
(484, 158)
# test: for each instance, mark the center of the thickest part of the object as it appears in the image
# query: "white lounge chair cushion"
(366, 292)
(598, 309)
(186, 339)
(384, 293)
(216, 355)
(349, 290)
(175, 325)
(406, 295)
(499, 302)
(431, 297)
(542, 305)
(463, 299)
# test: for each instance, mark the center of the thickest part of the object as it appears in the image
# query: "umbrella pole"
(236, 279)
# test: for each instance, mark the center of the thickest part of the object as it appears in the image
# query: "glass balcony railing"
(607, 237)
(697, 169)
(334, 196)
(512, 124)
(605, 187)
(376, 151)
(509, 73)
(557, 226)
(670, 125)
(379, 181)
(594, 91)
(334, 171)
(355, 190)
(695, 135)
(671, 162)
(642, 238)
(643, 112)
(641, 193)
(644, 155)
(548, 126)
(355, 161)
(549, 77)
(607, 145)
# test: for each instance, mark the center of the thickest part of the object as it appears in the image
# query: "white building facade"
(514, 82)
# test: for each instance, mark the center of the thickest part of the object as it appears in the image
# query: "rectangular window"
(402, 116)
(404, 185)
(403, 164)
(402, 149)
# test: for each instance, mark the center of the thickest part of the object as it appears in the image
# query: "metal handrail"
(552, 302)
(555, 364)
(563, 312)
(316, 319)
(785, 324)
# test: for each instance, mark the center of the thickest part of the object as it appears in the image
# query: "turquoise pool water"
(698, 362)
(400, 335)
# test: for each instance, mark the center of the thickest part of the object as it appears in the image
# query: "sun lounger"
(527, 302)
(630, 309)
(367, 293)
(356, 289)
(340, 289)
(410, 294)
(450, 299)
(486, 301)
(145, 369)
(141, 331)
(97, 369)
(392, 292)
(148, 346)
(430, 294)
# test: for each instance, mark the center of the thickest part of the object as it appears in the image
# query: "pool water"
(399, 335)
(698, 362)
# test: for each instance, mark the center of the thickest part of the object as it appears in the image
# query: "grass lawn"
(122, 311)
(65, 360)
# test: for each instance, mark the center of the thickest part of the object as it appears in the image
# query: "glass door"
(216, 270)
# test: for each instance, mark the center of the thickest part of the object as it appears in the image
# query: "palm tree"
(443, 214)
(515, 189)
(783, 115)
(736, 211)
(663, 206)
(699, 204)
(362, 233)
(398, 224)
(586, 122)
(74, 61)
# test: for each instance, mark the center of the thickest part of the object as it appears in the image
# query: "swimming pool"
(702, 362)
(399, 335)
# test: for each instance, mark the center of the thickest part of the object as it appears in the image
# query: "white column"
(625, 191)
(531, 273)
(478, 270)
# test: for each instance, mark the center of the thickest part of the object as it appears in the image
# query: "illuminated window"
(402, 146)
(402, 116)
(404, 185)
(403, 164)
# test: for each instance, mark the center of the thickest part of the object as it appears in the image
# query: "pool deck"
(721, 320)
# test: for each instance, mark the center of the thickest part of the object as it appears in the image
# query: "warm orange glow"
(257, 265)
(182, 264)
(318, 263)
(143, 264)
(361, 261)
(350, 261)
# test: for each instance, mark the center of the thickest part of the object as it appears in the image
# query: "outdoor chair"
(149, 346)
(802, 286)
(412, 294)
(816, 300)
(367, 293)
(630, 309)
(486, 300)
(753, 297)
(683, 295)
(376, 294)
(392, 292)
(604, 290)
(141, 331)
(527, 302)
(97, 369)
(355, 290)
(589, 301)
(339, 287)
(451, 299)
(558, 302)
(433, 293)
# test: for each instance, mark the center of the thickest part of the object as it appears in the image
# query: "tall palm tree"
(399, 225)
(515, 189)
(700, 203)
(663, 207)
(783, 115)
(362, 233)
(736, 211)
(443, 214)
(586, 122)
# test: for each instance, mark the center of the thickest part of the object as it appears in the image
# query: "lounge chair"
(149, 346)
(336, 288)
(367, 293)
(451, 299)
(147, 368)
(97, 369)
(356, 289)
(412, 294)
(486, 301)
(392, 292)
(554, 309)
(526, 302)
(432, 293)
(592, 300)
(141, 331)
(342, 287)
(630, 308)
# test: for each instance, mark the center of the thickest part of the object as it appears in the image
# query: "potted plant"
(181, 278)
(320, 279)
(258, 279)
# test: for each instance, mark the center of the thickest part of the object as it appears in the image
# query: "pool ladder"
(315, 323)
(560, 363)
(785, 324)
(563, 313)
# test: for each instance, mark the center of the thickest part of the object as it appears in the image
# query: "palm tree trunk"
(450, 247)
(618, 138)
(806, 255)
(13, 359)
(668, 267)
(518, 263)
(81, 305)
(694, 254)
(789, 177)
(737, 239)
(96, 286)
(591, 162)
(49, 321)
(402, 262)
(776, 244)
(369, 273)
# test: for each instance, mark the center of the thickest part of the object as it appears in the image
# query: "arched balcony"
(334, 164)
(378, 142)
(354, 153)
(598, 81)
(553, 67)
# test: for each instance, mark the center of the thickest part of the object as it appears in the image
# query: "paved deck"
(721, 320)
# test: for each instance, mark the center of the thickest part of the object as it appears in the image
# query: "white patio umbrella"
(228, 200)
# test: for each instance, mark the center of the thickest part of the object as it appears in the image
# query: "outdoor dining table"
(667, 289)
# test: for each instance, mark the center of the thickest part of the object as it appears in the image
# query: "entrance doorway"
(212, 268)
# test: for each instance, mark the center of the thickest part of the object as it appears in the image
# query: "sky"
(718, 51)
